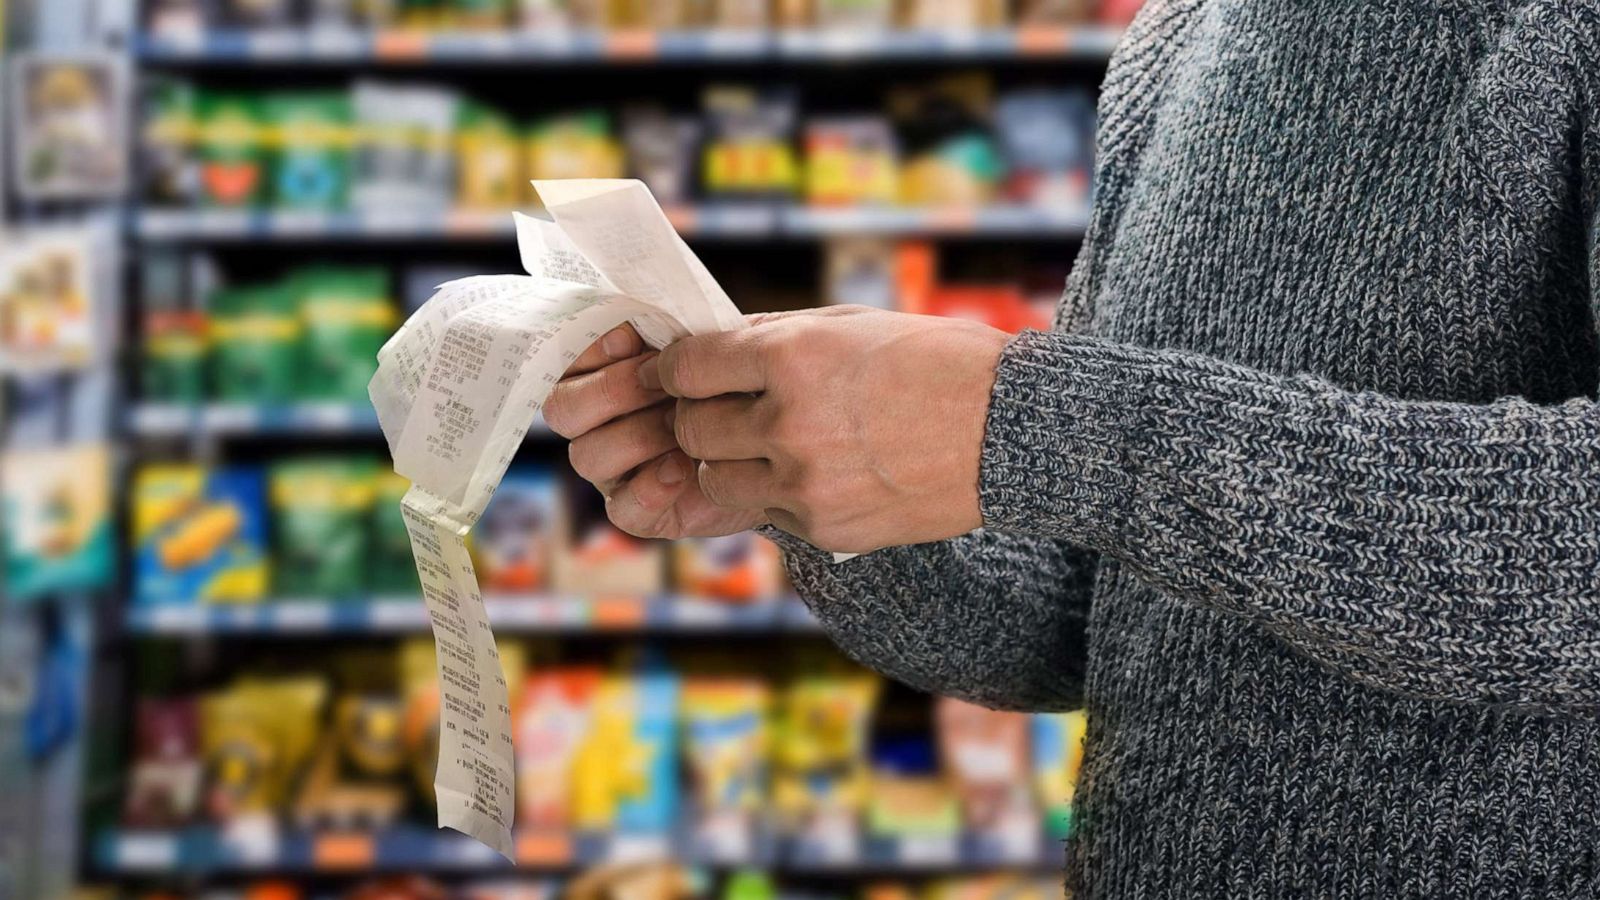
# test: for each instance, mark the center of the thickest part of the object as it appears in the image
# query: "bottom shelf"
(419, 849)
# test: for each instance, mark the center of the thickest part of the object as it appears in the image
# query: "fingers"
(728, 427)
(706, 365)
(584, 402)
(739, 483)
(643, 505)
(610, 451)
(618, 344)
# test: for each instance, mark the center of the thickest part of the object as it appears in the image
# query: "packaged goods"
(246, 14)
(320, 511)
(985, 754)
(256, 737)
(726, 742)
(749, 151)
(164, 780)
(574, 146)
(602, 560)
(819, 739)
(955, 14)
(516, 540)
(625, 776)
(347, 315)
(950, 155)
(860, 271)
(851, 160)
(55, 520)
(354, 779)
(490, 160)
(661, 152)
(255, 344)
(1047, 137)
(1054, 12)
(232, 153)
(199, 535)
(741, 567)
(173, 366)
(553, 723)
(1057, 757)
(170, 168)
(392, 571)
(850, 15)
(404, 158)
(311, 165)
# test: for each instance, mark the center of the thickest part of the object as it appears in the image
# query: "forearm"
(991, 618)
(1443, 550)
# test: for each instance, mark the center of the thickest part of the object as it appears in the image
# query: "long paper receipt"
(457, 388)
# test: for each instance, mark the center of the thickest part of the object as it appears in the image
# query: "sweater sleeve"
(992, 618)
(1445, 551)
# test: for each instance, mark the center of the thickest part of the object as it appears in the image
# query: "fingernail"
(649, 374)
(616, 344)
(670, 471)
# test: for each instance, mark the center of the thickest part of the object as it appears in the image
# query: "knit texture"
(1302, 495)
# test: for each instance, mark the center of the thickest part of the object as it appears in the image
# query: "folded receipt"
(458, 387)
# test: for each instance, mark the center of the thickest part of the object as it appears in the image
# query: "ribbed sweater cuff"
(1061, 419)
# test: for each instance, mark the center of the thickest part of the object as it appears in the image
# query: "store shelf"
(224, 419)
(300, 46)
(531, 614)
(735, 221)
(416, 848)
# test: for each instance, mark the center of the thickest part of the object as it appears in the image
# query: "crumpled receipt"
(458, 387)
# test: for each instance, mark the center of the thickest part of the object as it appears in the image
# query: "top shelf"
(1089, 43)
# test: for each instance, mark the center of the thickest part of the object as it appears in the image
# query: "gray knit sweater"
(1302, 496)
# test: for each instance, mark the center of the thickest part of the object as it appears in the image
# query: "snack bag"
(1057, 757)
(231, 150)
(311, 165)
(516, 539)
(985, 755)
(490, 168)
(553, 723)
(347, 316)
(199, 535)
(626, 772)
(392, 570)
(575, 146)
(726, 737)
(256, 736)
(320, 512)
(740, 567)
(255, 345)
(821, 742)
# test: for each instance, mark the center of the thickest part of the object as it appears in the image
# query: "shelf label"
(147, 852)
(928, 849)
(544, 848)
(344, 850)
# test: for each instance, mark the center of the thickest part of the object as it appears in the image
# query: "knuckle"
(581, 457)
(713, 486)
(686, 428)
(611, 390)
(678, 368)
(555, 411)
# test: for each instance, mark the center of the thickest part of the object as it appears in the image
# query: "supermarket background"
(215, 674)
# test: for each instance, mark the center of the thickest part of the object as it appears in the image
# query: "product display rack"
(210, 431)
(1087, 42)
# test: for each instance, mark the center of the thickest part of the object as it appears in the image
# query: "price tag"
(350, 850)
(927, 850)
(637, 847)
(544, 848)
(147, 852)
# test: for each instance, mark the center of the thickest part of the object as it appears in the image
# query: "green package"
(321, 511)
(173, 364)
(393, 569)
(255, 340)
(311, 134)
(232, 150)
(347, 316)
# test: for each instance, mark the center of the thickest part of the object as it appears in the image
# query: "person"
(1300, 496)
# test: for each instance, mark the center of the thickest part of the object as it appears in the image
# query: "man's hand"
(622, 441)
(852, 428)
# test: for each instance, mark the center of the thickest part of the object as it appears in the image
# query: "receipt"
(457, 388)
